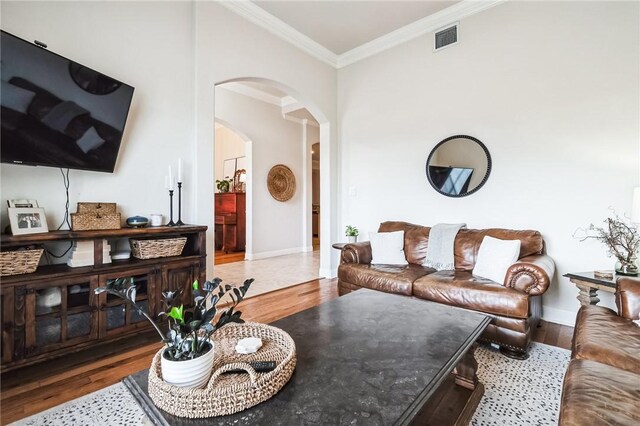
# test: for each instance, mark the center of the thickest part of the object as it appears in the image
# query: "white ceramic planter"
(352, 239)
(193, 373)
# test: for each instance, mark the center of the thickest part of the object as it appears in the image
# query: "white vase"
(192, 373)
(352, 238)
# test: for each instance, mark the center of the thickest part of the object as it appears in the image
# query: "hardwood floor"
(41, 387)
(221, 257)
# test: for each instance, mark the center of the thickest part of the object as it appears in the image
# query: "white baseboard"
(274, 253)
(307, 249)
(328, 273)
(559, 316)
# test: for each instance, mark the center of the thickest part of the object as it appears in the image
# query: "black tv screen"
(56, 112)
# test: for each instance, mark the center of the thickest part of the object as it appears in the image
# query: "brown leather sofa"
(602, 383)
(515, 305)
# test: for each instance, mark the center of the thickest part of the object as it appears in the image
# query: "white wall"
(550, 87)
(173, 53)
(228, 145)
(155, 57)
(229, 47)
(276, 226)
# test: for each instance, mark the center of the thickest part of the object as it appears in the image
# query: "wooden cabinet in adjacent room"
(231, 219)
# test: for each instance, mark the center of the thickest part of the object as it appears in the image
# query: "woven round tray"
(228, 394)
(281, 182)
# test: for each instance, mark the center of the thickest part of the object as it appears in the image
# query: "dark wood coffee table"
(366, 358)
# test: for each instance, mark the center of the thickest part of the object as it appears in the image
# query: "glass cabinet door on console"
(6, 305)
(118, 316)
(59, 313)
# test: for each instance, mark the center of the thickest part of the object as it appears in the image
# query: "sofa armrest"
(531, 274)
(628, 297)
(356, 253)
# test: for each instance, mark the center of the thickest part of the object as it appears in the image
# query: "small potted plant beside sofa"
(351, 232)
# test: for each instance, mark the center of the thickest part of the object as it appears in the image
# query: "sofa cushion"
(495, 256)
(465, 290)
(467, 242)
(598, 394)
(387, 248)
(601, 335)
(388, 278)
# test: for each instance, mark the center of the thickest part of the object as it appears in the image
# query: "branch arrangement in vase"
(622, 240)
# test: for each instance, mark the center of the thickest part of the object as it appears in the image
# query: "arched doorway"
(323, 138)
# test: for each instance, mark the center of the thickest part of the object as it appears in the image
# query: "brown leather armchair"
(602, 383)
(514, 304)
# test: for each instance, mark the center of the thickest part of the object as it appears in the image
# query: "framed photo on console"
(23, 203)
(29, 220)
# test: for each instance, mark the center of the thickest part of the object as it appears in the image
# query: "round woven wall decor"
(281, 182)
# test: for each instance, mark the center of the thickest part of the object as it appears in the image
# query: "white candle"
(166, 182)
(179, 169)
(170, 178)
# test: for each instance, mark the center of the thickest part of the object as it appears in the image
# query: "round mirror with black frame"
(458, 166)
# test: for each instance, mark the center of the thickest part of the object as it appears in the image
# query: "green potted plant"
(351, 233)
(187, 358)
(622, 240)
(224, 184)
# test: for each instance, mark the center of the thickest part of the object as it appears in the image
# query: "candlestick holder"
(179, 222)
(171, 222)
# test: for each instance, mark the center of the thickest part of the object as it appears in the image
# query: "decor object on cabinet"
(153, 248)
(18, 262)
(95, 216)
(83, 254)
(27, 220)
(622, 240)
(155, 219)
(137, 221)
(23, 203)
(351, 232)
(239, 180)
(281, 182)
(224, 185)
(190, 330)
(458, 166)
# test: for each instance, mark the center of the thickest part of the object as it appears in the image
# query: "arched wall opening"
(303, 180)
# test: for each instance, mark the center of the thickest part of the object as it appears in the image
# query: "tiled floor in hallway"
(273, 273)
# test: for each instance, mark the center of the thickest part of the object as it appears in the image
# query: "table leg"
(587, 295)
(465, 371)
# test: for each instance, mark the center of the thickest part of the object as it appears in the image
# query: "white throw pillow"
(494, 258)
(15, 98)
(387, 248)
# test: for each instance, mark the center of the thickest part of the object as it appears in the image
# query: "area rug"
(516, 393)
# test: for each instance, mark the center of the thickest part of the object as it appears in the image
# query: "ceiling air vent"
(445, 37)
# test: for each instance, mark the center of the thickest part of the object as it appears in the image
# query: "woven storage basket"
(19, 261)
(159, 247)
(94, 221)
(103, 208)
(228, 394)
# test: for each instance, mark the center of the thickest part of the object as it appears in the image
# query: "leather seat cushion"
(465, 290)
(601, 335)
(598, 394)
(388, 278)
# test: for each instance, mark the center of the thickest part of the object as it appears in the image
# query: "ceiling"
(341, 26)
(340, 33)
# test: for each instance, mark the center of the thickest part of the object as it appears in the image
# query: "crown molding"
(279, 28)
(416, 29)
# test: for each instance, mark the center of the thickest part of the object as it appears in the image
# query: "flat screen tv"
(57, 112)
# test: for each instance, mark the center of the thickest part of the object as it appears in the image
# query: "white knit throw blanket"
(440, 246)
